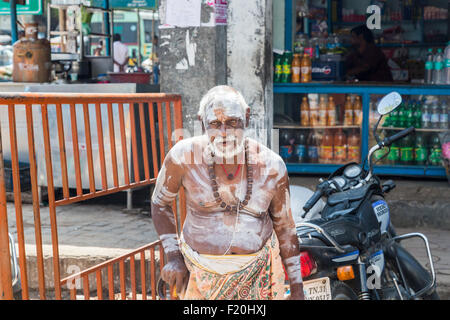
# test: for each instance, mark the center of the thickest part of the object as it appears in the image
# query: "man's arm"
(284, 226)
(167, 185)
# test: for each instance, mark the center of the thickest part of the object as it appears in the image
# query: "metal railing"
(162, 113)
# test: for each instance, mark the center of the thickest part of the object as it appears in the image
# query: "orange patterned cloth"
(262, 279)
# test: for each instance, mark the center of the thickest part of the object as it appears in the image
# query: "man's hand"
(175, 272)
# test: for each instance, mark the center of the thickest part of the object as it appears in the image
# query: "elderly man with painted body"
(237, 194)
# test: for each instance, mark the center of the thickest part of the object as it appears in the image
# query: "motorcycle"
(349, 248)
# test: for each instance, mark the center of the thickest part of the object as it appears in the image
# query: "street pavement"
(107, 230)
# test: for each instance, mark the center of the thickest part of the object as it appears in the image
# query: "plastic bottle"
(296, 68)
(438, 71)
(278, 70)
(447, 64)
(393, 158)
(285, 145)
(443, 116)
(286, 66)
(305, 75)
(326, 148)
(313, 148)
(354, 148)
(409, 114)
(300, 148)
(420, 151)
(331, 112)
(313, 109)
(402, 115)
(348, 109)
(393, 118)
(304, 112)
(417, 115)
(435, 112)
(406, 150)
(357, 111)
(322, 112)
(340, 147)
(429, 66)
(426, 116)
(435, 151)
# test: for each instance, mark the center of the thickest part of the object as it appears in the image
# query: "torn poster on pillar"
(220, 10)
(183, 13)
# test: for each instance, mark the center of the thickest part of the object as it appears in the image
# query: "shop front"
(329, 76)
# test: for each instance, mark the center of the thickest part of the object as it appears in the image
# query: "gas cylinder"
(31, 57)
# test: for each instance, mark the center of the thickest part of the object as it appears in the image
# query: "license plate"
(317, 289)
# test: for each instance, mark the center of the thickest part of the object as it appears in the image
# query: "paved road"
(95, 227)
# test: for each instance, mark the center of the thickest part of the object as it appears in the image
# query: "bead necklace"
(215, 186)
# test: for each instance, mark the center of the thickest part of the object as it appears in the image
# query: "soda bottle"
(429, 66)
(278, 69)
(420, 151)
(340, 147)
(393, 157)
(426, 116)
(322, 112)
(348, 109)
(443, 116)
(409, 114)
(296, 68)
(305, 75)
(286, 149)
(438, 71)
(300, 148)
(357, 111)
(406, 151)
(353, 147)
(326, 148)
(314, 111)
(393, 118)
(313, 148)
(435, 115)
(286, 66)
(304, 112)
(435, 151)
(417, 115)
(402, 116)
(331, 112)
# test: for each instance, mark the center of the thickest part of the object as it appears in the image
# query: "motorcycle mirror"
(389, 103)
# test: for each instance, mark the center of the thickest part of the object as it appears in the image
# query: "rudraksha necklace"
(215, 186)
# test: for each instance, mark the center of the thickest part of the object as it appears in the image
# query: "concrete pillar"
(249, 60)
(194, 59)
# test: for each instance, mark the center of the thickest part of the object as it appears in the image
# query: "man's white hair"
(221, 94)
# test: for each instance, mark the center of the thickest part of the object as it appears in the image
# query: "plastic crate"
(24, 173)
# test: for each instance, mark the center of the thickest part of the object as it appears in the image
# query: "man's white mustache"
(226, 139)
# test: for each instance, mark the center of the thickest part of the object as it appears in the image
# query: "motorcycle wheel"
(341, 291)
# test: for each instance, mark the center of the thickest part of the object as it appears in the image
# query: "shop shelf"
(417, 129)
(297, 126)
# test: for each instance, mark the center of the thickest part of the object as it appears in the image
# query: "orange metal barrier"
(162, 106)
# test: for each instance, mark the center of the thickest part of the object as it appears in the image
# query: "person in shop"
(366, 62)
(239, 231)
(120, 54)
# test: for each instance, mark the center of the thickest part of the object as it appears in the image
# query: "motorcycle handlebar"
(312, 201)
(389, 140)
